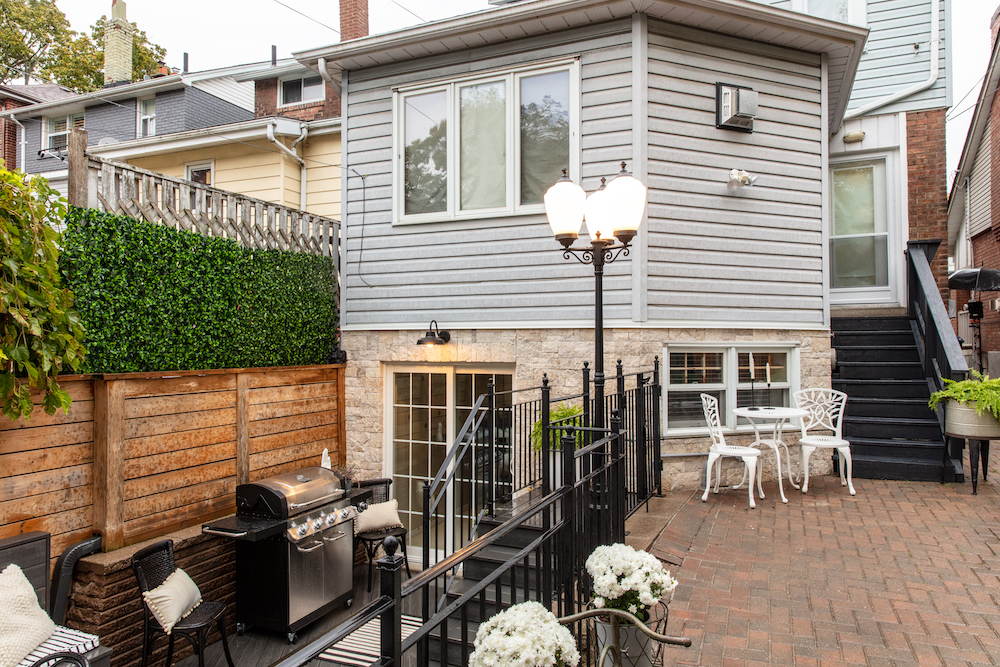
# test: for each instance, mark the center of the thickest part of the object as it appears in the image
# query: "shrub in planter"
(979, 395)
(556, 416)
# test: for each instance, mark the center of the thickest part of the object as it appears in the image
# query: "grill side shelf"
(249, 529)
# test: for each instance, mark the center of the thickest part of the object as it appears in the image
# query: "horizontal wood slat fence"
(140, 455)
(123, 189)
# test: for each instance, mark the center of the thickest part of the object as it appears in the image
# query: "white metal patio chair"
(826, 412)
(720, 449)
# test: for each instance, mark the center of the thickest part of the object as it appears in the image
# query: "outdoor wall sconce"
(435, 336)
(735, 107)
(738, 178)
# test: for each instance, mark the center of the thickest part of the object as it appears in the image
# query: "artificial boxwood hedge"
(153, 298)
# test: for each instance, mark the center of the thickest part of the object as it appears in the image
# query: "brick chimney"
(353, 19)
(117, 46)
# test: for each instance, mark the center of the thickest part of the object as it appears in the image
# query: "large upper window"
(845, 11)
(57, 129)
(297, 91)
(723, 370)
(486, 146)
(147, 117)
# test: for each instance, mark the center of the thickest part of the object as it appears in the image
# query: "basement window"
(723, 370)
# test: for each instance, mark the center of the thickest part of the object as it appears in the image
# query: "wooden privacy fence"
(142, 454)
(123, 189)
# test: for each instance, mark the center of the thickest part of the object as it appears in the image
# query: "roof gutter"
(330, 81)
(932, 76)
(303, 172)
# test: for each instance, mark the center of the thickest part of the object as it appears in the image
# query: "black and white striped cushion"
(363, 647)
(63, 639)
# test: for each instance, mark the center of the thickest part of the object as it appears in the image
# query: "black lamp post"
(612, 212)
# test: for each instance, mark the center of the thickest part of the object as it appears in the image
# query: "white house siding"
(979, 186)
(227, 88)
(493, 270)
(751, 255)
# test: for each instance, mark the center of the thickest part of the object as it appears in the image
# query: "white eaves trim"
(980, 120)
(281, 69)
(212, 136)
(589, 324)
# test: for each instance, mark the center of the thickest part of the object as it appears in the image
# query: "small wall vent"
(735, 107)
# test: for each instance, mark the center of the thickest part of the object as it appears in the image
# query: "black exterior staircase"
(893, 434)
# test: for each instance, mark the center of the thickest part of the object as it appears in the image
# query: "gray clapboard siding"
(980, 194)
(773, 269)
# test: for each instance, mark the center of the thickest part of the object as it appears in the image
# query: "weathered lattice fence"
(147, 195)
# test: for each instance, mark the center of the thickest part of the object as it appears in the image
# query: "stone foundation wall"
(559, 353)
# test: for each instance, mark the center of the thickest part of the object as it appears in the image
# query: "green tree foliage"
(544, 147)
(426, 166)
(41, 332)
(35, 37)
(154, 298)
(28, 31)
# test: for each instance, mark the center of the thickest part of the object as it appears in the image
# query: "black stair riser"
(869, 323)
(887, 353)
(477, 568)
(520, 537)
(865, 339)
(888, 450)
(900, 430)
(916, 410)
(896, 469)
(887, 372)
(881, 389)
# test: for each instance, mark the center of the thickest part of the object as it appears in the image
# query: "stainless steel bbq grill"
(294, 549)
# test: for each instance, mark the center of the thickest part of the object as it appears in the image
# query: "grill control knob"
(302, 530)
(317, 524)
(346, 512)
(330, 519)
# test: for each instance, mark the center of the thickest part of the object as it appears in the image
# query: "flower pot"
(637, 646)
(961, 421)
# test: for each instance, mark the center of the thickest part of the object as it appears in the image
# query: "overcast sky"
(218, 33)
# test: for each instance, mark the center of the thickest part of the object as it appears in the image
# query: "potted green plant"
(557, 415)
(971, 407)
(347, 472)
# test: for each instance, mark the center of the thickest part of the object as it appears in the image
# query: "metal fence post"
(616, 499)
(621, 387)
(570, 546)
(492, 460)
(587, 408)
(641, 446)
(657, 398)
(391, 576)
(547, 475)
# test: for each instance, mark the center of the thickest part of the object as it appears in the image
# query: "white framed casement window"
(147, 117)
(723, 370)
(301, 90)
(200, 172)
(57, 130)
(854, 12)
(484, 146)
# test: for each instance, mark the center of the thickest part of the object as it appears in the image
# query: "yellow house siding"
(322, 155)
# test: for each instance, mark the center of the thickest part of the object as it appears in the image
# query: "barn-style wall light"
(435, 336)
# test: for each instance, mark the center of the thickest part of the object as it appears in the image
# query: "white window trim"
(200, 164)
(729, 374)
(46, 134)
(450, 86)
(857, 11)
(281, 87)
(139, 116)
(896, 269)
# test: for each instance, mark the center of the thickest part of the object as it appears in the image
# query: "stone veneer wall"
(560, 353)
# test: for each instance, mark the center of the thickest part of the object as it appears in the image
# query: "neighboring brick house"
(14, 97)
(974, 210)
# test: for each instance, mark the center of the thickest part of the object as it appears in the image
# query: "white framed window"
(723, 370)
(200, 172)
(147, 117)
(298, 91)
(57, 130)
(484, 146)
(854, 12)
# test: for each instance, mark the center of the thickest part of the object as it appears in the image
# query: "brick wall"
(927, 192)
(266, 103)
(8, 135)
(353, 19)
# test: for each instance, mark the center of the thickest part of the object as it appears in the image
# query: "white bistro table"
(779, 417)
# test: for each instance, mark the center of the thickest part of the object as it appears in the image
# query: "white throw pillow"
(23, 624)
(379, 516)
(172, 600)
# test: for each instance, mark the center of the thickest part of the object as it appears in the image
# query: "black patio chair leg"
(402, 540)
(225, 642)
(370, 552)
(200, 647)
(145, 648)
(170, 650)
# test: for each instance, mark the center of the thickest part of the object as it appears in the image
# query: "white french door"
(426, 407)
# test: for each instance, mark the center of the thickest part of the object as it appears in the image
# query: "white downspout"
(968, 221)
(24, 143)
(330, 81)
(932, 77)
(303, 182)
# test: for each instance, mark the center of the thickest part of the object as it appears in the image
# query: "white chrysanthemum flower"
(525, 635)
(627, 579)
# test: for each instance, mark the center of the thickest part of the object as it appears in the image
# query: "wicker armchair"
(152, 566)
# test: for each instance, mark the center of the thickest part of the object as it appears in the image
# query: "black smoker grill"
(294, 549)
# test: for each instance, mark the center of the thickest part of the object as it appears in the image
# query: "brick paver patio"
(903, 573)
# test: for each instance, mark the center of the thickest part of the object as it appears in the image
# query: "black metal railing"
(937, 343)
